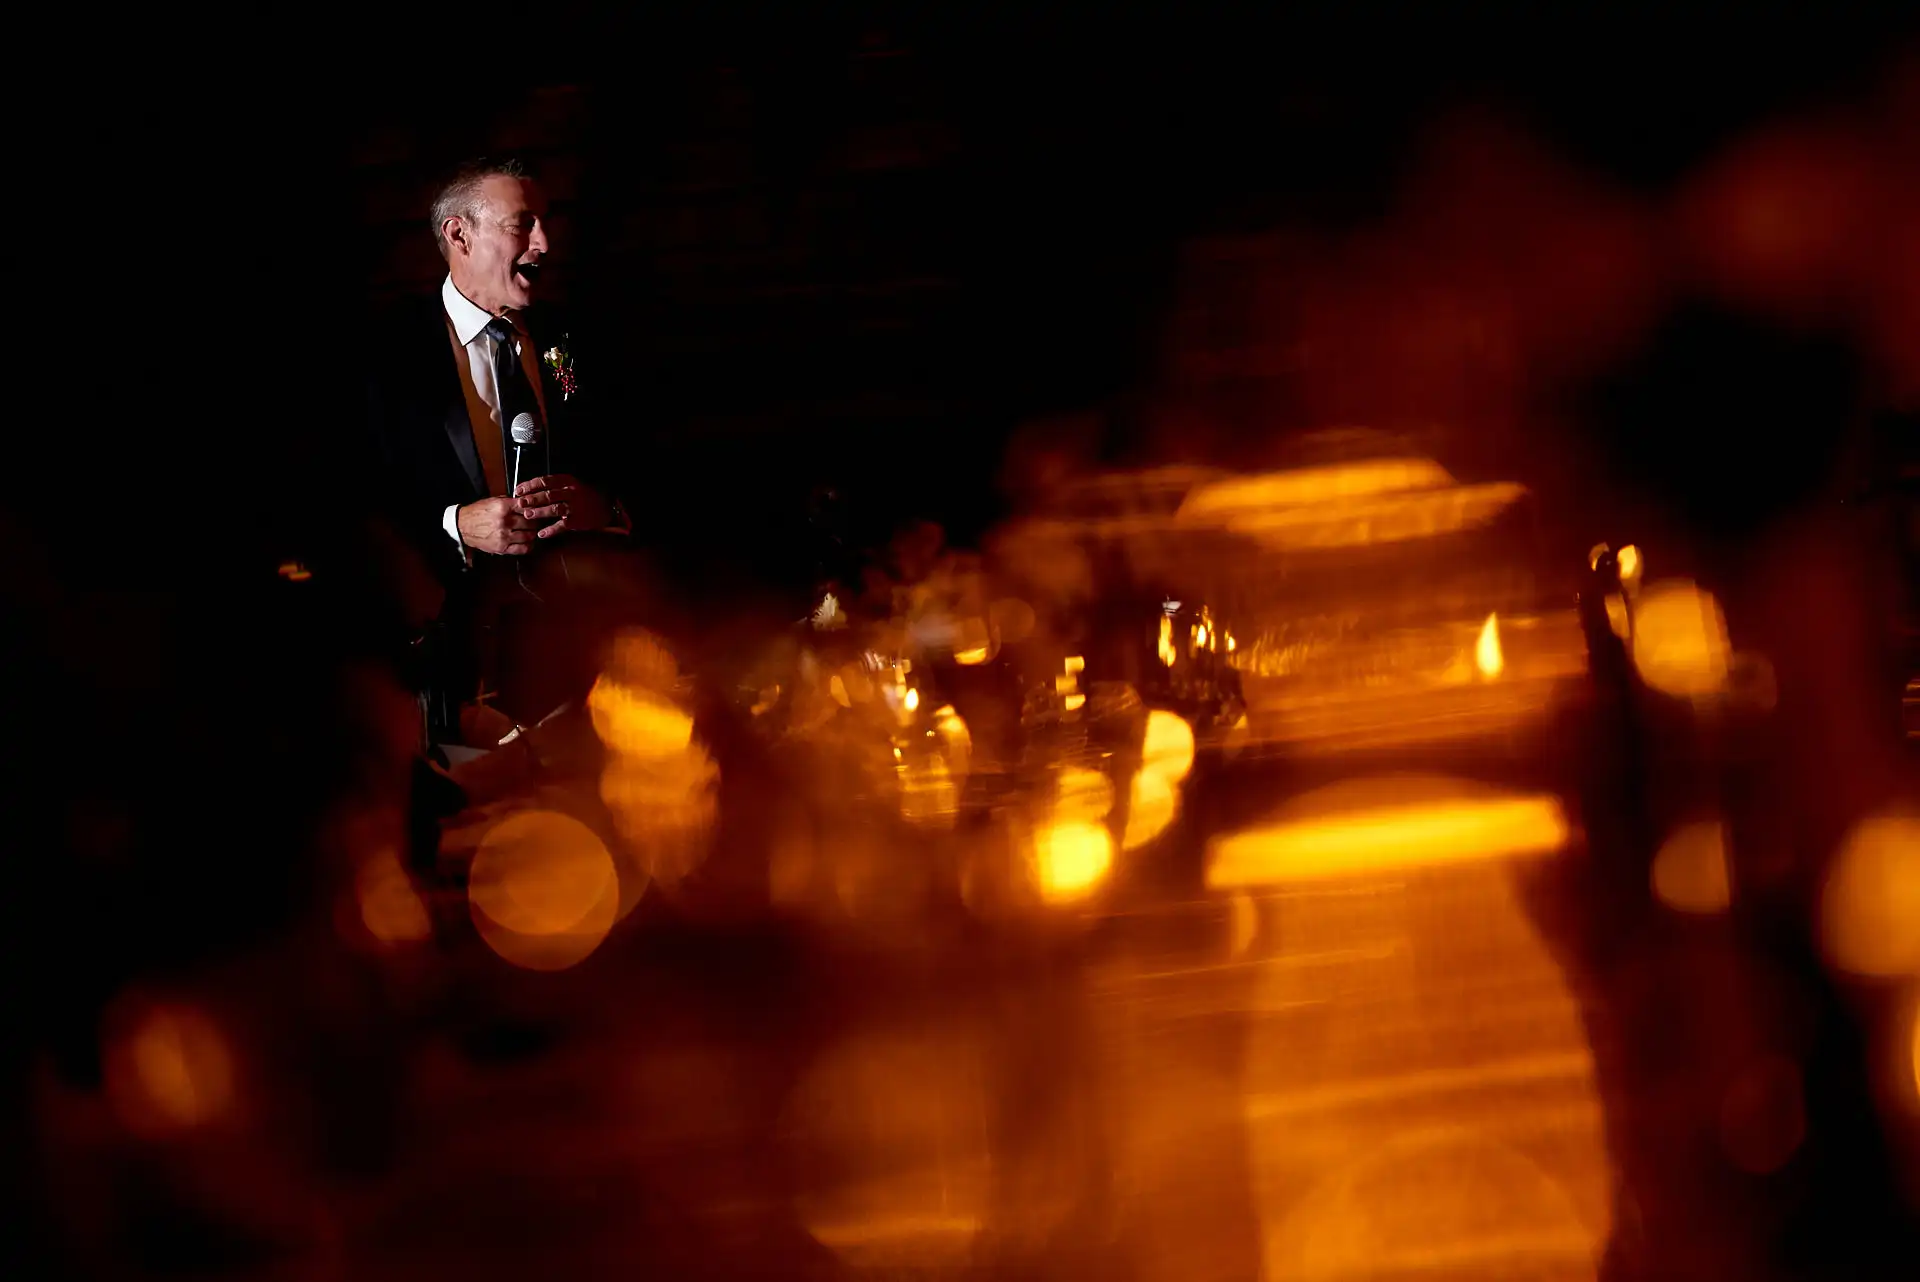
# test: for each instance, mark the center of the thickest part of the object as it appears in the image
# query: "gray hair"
(460, 197)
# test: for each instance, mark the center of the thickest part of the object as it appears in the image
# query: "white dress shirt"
(467, 330)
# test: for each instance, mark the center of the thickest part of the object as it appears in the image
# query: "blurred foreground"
(1312, 874)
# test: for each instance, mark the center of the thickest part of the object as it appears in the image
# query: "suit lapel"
(450, 393)
(460, 435)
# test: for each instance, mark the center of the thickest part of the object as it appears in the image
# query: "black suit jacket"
(418, 424)
(426, 460)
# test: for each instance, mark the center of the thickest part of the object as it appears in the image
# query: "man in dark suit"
(492, 519)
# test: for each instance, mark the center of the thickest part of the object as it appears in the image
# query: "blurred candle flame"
(1486, 651)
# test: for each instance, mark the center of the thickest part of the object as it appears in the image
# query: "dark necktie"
(516, 395)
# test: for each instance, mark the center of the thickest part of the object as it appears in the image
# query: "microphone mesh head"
(524, 430)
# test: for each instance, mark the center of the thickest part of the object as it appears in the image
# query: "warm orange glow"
(1376, 826)
(956, 739)
(891, 1132)
(1680, 642)
(1914, 1037)
(665, 809)
(1486, 650)
(1870, 908)
(1420, 1097)
(1168, 747)
(1011, 620)
(1264, 493)
(1081, 796)
(1617, 617)
(1152, 803)
(1361, 521)
(1154, 793)
(929, 792)
(1075, 702)
(912, 699)
(1763, 1116)
(1630, 567)
(1167, 652)
(1071, 859)
(1691, 874)
(637, 722)
(390, 908)
(171, 1071)
(543, 890)
(1243, 923)
(972, 656)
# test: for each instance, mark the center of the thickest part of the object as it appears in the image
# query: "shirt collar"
(468, 320)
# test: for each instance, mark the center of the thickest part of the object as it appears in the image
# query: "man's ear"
(453, 231)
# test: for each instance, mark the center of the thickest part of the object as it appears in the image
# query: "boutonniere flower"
(560, 360)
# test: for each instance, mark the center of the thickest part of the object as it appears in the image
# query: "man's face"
(495, 254)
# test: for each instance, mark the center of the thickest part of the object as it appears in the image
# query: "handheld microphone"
(524, 431)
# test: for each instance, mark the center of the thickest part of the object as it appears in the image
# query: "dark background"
(861, 248)
(847, 245)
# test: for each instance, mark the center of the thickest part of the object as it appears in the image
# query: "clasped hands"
(540, 508)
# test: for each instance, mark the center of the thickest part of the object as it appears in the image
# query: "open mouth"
(527, 274)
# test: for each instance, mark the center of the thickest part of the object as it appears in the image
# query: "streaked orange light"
(1680, 644)
(1071, 859)
(1313, 485)
(1334, 834)
(1486, 650)
(171, 1072)
(543, 890)
(971, 657)
(1365, 519)
(1870, 907)
(1690, 873)
(1167, 652)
